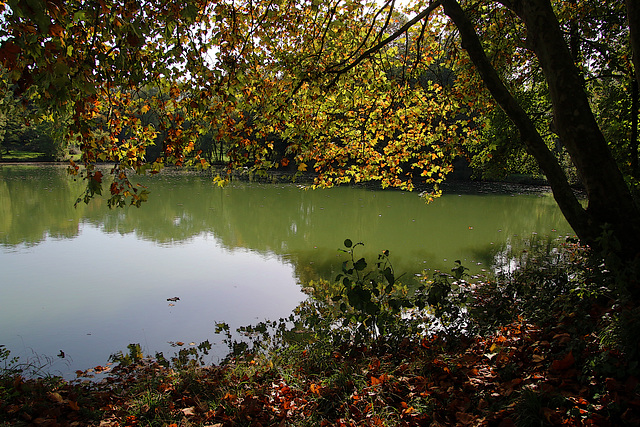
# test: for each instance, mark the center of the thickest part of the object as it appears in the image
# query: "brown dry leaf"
(465, 419)
(537, 358)
(189, 412)
(562, 338)
(564, 363)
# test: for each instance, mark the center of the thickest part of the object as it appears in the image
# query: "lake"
(88, 281)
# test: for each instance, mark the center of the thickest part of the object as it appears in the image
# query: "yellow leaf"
(55, 397)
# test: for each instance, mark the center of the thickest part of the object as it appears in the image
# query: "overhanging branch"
(536, 146)
(340, 69)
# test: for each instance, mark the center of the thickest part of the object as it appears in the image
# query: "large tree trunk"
(609, 200)
(633, 139)
(633, 18)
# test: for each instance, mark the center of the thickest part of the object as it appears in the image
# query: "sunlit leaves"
(272, 82)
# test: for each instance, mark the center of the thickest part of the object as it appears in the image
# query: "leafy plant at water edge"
(371, 303)
(33, 366)
(10, 364)
(369, 299)
(133, 356)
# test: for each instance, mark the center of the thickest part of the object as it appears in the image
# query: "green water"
(89, 281)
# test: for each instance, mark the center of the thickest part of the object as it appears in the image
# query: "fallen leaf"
(562, 338)
(537, 358)
(564, 363)
(315, 389)
(465, 419)
(189, 412)
(55, 397)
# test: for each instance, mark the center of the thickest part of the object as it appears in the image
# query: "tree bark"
(609, 199)
(633, 18)
(633, 140)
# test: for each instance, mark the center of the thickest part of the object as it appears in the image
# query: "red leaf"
(9, 53)
(563, 364)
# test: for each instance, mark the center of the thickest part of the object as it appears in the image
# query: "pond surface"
(89, 280)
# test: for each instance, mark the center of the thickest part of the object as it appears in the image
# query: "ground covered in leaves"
(551, 355)
(523, 375)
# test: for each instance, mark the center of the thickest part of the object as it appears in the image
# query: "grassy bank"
(23, 156)
(546, 344)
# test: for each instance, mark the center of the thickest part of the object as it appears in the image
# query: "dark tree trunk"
(633, 140)
(633, 18)
(609, 200)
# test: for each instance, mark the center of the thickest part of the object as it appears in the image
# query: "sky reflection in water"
(89, 281)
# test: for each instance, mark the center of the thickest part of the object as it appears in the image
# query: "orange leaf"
(55, 30)
(381, 379)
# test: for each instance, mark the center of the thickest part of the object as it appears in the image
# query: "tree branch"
(536, 146)
(342, 68)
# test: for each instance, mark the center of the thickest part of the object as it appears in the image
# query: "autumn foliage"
(522, 374)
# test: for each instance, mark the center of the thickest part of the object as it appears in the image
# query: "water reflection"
(282, 220)
(91, 280)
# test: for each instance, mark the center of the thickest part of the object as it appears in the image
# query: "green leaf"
(388, 274)
(360, 265)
